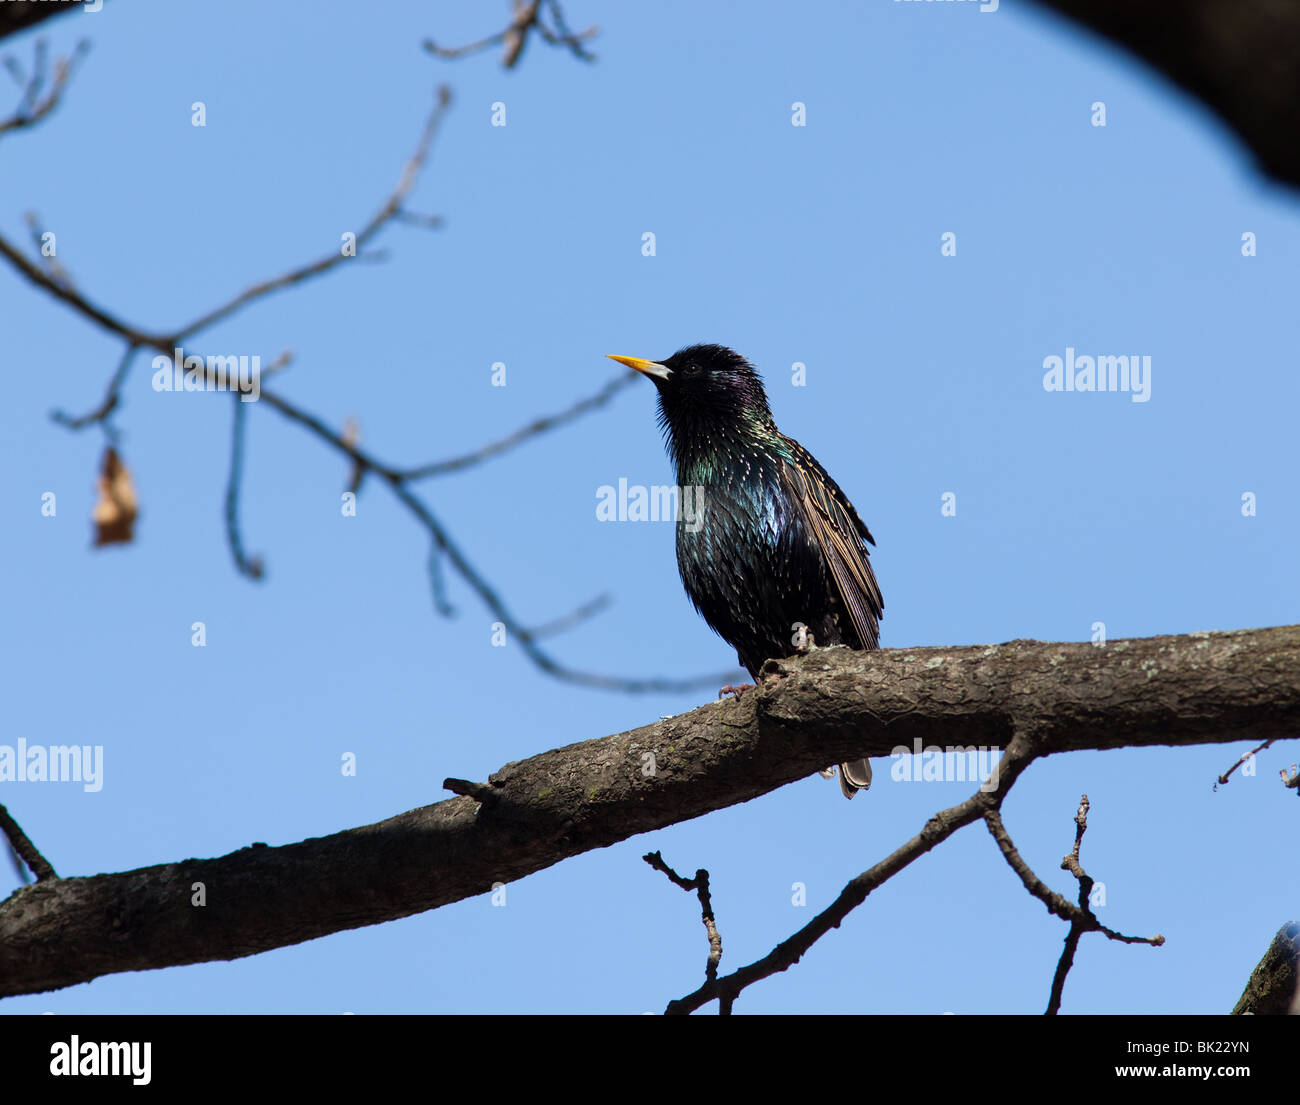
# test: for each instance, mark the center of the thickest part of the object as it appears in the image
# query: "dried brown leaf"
(115, 511)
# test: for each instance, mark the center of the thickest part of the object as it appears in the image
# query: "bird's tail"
(855, 776)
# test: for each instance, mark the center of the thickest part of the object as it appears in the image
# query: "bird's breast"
(745, 559)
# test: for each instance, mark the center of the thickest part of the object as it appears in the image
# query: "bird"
(777, 551)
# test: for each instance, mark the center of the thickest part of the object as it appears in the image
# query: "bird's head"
(705, 391)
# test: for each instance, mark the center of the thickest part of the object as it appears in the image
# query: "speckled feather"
(777, 542)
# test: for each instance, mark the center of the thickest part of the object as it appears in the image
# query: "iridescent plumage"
(777, 543)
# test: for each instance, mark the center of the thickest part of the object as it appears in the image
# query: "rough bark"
(1272, 987)
(831, 705)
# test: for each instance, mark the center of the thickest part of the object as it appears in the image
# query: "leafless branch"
(526, 18)
(1241, 760)
(786, 954)
(833, 704)
(700, 885)
(53, 265)
(564, 36)
(574, 617)
(37, 101)
(482, 793)
(1080, 917)
(102, 415)
(390, 209)
(441, 544)
(23, 848)
(80, 303)
(252, 568)
(518, 437)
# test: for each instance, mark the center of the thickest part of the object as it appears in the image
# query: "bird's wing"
(841, 533)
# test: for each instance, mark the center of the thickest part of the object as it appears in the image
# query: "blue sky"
(817, 244)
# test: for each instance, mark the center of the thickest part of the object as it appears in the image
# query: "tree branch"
(786, 954)
(526, 18)
(441, 544)
(700, 885)
(831, 705)
(388, 211)
(1274, 985)
(23, 848)
(37, 102)
(537, 426)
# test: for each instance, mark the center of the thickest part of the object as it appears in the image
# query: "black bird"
(777, 543)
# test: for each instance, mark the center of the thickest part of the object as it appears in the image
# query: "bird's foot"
(827, 773)
(737, 691)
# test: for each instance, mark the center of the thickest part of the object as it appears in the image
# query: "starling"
(776, 544)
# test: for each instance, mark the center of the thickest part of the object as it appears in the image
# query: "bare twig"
(482, 793)
(565, 622)
(1078, 926)
(941, 826)
(496, 605)
(390, 209)
(251, 567)
(527, 18)
(36, 102)
(1241, 760)
(1071, 861)
(24, 848)
(103, 414)
(53, 265)
(700, 885)
(80, 303)
(441, 544)
(1055, 903)
(563, 36)
(1080, 916)
(519, 436)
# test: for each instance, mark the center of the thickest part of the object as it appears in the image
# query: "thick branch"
(1274, 985)
(831, 705)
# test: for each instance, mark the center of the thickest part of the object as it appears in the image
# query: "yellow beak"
(648, 368)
